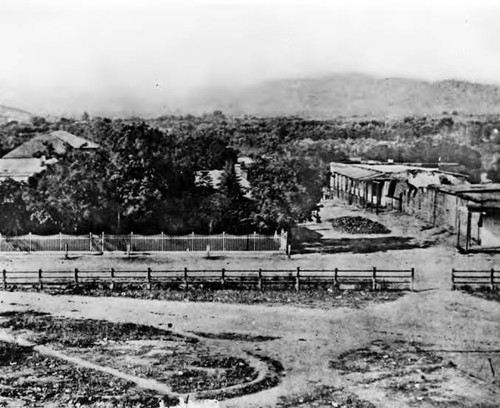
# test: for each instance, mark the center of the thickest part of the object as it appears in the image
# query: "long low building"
(437, 197)
(384, 185)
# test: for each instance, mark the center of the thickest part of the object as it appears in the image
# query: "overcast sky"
(61, 56)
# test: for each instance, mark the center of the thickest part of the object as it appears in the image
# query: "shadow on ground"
(306, 241)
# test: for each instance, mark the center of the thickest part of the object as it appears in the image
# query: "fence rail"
(490, 278)
(224, 278)
(143, 243)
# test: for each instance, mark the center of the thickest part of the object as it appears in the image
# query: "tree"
(14, 218)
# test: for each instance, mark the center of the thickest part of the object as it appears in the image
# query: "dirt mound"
(359, 225)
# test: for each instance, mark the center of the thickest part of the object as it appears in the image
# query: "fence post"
(374, 278)
(90, 242)
(289, 251)
(131, 237)
(297, 279)
(192, 241)
(208, 251)
(112, 274)
(259, 283)
(148, 277)
(29, 234)
(40, 282)
(66, 251)
(492, 272)
(453, 279)
(223, 242)
(162, 236)
(4, 279)
(102, 247)
(223, 277)
(185, 278)
(76, 276)
(336, 278)
(60, 241)
(412, 278)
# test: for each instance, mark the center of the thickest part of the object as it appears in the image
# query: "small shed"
(478, 217)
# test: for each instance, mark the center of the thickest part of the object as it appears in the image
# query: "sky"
(146, 56)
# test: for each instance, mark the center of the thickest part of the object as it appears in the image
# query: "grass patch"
(40, 381)
(83, 333)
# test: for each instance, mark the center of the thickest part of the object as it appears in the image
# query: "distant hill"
(349, 95)
(8, 114)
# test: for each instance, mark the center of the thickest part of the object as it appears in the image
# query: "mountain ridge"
(11, 114)
(350, 95)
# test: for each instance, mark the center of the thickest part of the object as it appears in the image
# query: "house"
(21, 169)
(215, 178)
(29, 159)
(59, 141)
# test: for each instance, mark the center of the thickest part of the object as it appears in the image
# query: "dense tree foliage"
(151, 176)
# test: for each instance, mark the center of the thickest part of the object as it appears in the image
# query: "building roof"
(59, 140)
(21, 169)
(215, 177)
(419, 176)
(482, 195)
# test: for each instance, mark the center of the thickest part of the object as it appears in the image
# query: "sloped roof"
(20, 169)
(215, 177)
(383, 171)
(355, 171)
(59, 140)
(487, 195)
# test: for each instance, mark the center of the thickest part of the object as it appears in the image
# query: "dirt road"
(459, 327)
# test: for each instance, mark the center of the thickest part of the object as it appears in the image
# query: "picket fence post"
(4, 279)
(374, 278)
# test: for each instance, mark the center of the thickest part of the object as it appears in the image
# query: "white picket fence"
(143, 243)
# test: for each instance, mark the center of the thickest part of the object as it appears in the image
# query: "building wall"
(490, 231)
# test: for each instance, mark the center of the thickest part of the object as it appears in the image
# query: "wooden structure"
(372, 279)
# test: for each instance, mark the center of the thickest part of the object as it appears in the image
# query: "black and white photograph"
(250, 204)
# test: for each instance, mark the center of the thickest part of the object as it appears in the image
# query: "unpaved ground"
(452, 326)
(433, 347)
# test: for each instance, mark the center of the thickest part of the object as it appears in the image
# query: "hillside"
(349, 95)
(8, 114)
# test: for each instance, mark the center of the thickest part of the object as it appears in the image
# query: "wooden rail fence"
(373, 279)
(489, 278)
